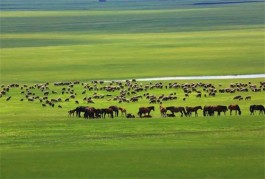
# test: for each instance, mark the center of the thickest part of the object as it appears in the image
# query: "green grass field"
(45, 143)
(121, 44)
(65, 40)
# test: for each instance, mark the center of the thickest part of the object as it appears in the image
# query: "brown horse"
(174, 109)
(89, 113)
(115, 110)
(234, 108)
(209, 110)
(123, 111)
(108, 111)
(71, 113)
(145, 110)
(254, 108)
(189, 110)
(163, 111)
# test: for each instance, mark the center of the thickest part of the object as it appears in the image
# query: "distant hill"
(112, 4)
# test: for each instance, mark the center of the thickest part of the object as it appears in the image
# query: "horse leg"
(181, 114)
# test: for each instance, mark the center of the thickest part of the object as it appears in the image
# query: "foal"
(71, 113)
(163, 111)
(123, 111)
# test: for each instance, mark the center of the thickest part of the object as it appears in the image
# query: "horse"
(209, 110)
(254, 108)
(108, 111)
(80, 109)
(163, 111)
(248, 98)
(89, 112)
(130, 115)
(123, 111)
(189, 110)
(219, 109)
(115, 110)
(174, 109)
(234, 107)
(98, 113)
(145, 110)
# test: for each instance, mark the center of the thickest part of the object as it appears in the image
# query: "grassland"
(122, 44)
(64, 40)
(44, 142)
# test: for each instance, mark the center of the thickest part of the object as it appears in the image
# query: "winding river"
(248, 76)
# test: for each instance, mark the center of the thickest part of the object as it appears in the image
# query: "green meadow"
(123, 44)
(66, 40)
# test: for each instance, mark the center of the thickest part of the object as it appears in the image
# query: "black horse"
(145, 110)
(80, 109)
(254, 108)
(174, 109)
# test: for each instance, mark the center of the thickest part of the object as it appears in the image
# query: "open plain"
(66, 41)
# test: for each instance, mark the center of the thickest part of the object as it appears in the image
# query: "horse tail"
(239, 111)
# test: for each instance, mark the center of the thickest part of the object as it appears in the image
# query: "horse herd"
(130, 91)
(145, 112)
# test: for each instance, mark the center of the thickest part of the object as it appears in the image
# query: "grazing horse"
(108, 111)
(220, 109)
(89, 112)
(145, 110)
(98, 113)
(235, 108)
(174, 109)
(71, 112)
(123, 111)
(189, 110)
(254, 108)
(163, 111)
(209, 110)
(80, 109)
(115, 110)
